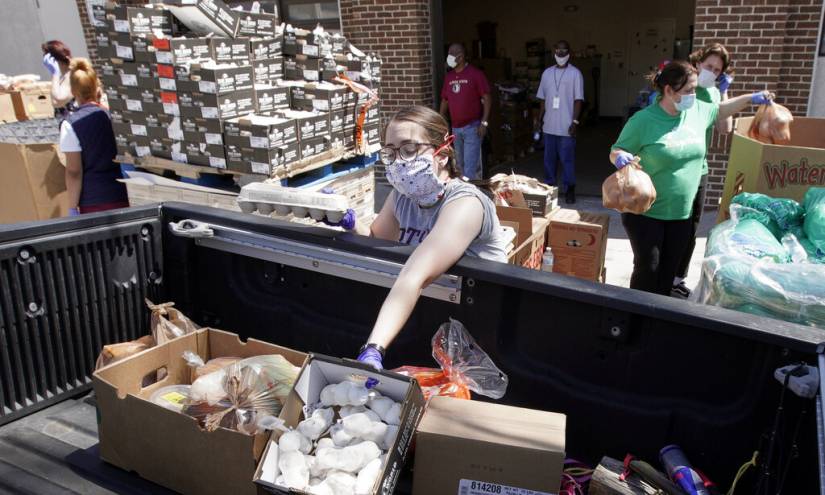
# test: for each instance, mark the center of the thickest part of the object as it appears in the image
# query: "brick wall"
(399, 32)
(772, 45)
(88, 30)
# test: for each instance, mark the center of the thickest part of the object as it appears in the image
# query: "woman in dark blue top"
(87, 139)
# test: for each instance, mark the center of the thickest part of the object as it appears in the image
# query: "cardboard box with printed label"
(470, 447)
(147, 21)
(163, 147)
(261, 132)
(268, 71)
(178, 51)
(266, 48)
(310, 124)
(32, 183)
(226, 106)
(257, 24)
(578, 240)
(135, 433)
(268, 99)
(314, 146)
(301, 67)
(229, 50)
(221, 79)
(322, 97)
(780, 171)
(253, 161)
(300, 42)
(205, 16)
(320, 371)
(197, 124)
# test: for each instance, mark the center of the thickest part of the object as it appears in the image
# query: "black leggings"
(696, 219)
(658, 248)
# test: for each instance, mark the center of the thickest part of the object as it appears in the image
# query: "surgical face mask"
(562, 60)
(686, 102)
(707, 79)
(416, 180)
(451, 63)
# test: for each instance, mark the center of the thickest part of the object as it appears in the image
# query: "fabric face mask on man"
(562, 60)
(451, 61)
(707, 79)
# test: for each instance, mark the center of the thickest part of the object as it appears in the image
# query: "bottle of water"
(547, 261)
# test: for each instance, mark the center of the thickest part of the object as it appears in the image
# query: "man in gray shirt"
(561, 93)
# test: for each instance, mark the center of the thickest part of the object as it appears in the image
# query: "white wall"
(27, 24)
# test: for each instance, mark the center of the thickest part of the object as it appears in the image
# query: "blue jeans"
(467, 146)
(560, 148)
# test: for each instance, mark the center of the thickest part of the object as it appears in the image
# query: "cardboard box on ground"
(32, 183)
(168, 447)
(475, 448)
(578, 241)
(320, 371)
(781, 171)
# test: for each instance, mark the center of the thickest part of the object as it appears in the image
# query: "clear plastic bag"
(464, 366)
(629, 190)
(240, 395)
(200, 368)
(168, 323)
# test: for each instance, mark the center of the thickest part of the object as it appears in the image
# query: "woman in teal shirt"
(669, 139)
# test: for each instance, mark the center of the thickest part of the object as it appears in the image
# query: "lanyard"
(560, 80)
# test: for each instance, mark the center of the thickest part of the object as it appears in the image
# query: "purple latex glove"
(73, 212)
(50, 64)
(372, 357)
(725, 81)
(623, 159)
(347, 222)
(761, 98)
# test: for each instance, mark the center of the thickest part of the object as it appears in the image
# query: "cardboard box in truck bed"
(477, 448)
(531, 235)
(168, 447)
(780, 171)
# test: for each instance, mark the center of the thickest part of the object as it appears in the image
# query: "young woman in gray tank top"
(430, 208)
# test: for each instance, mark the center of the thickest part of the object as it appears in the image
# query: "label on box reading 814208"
(213, 138)
(474, 487)
(121, 26)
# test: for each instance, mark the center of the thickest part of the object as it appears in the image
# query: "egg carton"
(267, 198)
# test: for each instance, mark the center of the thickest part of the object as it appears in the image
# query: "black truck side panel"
(67, 288)
(633, 371)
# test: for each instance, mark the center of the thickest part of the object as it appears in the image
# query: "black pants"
(696, 219)
(658, 249)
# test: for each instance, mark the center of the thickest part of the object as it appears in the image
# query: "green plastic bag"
(746, 237)
(779, 215)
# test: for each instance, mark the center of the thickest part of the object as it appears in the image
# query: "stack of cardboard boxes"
(513, 123)
(196, 82)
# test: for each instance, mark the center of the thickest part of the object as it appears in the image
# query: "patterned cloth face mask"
(416, 179)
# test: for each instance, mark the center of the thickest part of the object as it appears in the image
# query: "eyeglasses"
(407, 151)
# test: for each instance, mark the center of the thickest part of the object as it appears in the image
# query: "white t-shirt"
(68, 138)
(568, 85)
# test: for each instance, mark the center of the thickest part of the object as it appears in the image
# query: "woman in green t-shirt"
(669, 140)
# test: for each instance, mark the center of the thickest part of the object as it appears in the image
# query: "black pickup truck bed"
(632, 371)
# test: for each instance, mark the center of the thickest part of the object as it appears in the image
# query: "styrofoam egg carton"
(267, 198)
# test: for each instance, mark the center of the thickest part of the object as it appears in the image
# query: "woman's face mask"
(686, 103)
(416, 178)
(707, 79)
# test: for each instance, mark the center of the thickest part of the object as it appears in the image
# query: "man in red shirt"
(466, 94)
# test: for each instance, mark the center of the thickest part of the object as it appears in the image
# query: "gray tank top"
(415, 222)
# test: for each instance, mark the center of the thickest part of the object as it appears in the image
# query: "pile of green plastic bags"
(769, 259)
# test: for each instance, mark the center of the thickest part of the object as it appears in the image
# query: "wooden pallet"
(158, 165)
